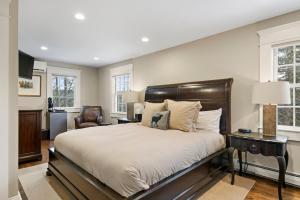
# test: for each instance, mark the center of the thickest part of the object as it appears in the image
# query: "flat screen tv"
(25, 65)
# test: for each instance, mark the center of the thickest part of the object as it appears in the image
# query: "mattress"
(130, 157)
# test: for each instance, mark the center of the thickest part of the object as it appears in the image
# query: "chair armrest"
(77, 122)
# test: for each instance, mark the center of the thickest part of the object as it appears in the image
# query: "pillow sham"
(209, 120)
(183, 114)
(150, 108)
(160, 120)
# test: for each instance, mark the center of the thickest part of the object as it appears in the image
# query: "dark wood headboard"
(212, 94)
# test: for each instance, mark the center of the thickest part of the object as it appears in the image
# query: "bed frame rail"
(182, 185)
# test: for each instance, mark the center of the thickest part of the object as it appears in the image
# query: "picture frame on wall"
(30, 88)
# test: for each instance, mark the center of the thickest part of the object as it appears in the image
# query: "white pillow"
(209, 120)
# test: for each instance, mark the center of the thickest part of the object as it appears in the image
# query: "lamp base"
(269, 120)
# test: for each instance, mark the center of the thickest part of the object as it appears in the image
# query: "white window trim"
(293, 85)
(66, 72)
(269, 38)
(116, 71)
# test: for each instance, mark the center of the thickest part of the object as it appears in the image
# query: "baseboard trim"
(17, 197)
(291, 178)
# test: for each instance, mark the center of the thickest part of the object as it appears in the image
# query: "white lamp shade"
(131, 96)
(271, 93)
(138, 108)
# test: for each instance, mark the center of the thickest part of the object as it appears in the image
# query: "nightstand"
(105, 124)
(256, 143)
(125, 121)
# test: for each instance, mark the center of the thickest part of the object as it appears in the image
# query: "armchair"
(89, 116)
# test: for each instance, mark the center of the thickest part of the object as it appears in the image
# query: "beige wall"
(4, 100)
(88, 91)
(8, 117)
(13, 113)
(233, 53)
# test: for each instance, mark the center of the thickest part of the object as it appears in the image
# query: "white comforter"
(130, 157)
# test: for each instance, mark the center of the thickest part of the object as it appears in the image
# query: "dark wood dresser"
(30, 135)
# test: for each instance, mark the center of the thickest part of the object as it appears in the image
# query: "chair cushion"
(88, 124)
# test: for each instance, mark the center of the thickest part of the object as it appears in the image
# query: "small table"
(105, 124)
(125, 121)
(256, 143)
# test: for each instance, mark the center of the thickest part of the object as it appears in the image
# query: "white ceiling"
(113, 29)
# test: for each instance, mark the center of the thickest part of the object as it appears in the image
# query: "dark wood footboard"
(186, 184)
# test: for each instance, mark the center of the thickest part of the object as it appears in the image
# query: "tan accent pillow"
(183, 114)
(151, 108)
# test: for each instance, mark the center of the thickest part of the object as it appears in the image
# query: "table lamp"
(130, 97)
(269, 94)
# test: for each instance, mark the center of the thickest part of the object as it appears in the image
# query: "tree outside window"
(63, 88)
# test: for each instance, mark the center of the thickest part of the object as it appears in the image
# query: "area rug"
(38, 186)
(223, 190)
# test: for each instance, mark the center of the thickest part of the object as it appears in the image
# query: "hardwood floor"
(265, 189)
(262, 190)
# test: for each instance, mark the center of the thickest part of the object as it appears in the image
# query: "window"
(121, 85)
(287, 68)
(279, 60)
(63, 86)
(63, 90)
(121, 81)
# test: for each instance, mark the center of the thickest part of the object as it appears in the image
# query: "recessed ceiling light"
(79, 16)
(96, 58)
(145, 39)
(44, 48)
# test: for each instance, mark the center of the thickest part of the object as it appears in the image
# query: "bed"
(146, 169)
